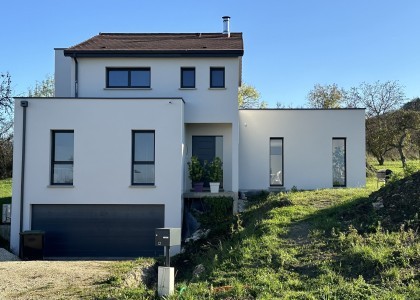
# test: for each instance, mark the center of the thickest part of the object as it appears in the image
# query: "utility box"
(167, 237)
(32, 245)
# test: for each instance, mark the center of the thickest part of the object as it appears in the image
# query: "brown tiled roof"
(159, 44)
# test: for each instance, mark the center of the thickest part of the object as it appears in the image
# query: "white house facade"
(104, 162)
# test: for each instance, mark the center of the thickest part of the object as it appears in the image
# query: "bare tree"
(249, 97)
(325, 96)
(6, 124)
(378, 98)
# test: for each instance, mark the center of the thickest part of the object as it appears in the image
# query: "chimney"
(226, 29)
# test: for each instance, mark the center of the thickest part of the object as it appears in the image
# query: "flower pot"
(198, 186)
(214, 187)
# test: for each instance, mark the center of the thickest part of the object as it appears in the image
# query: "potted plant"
(196, 173)
(215, 173)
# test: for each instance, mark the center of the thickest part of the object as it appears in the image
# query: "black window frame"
(59, 162)
(282, 161)
(211, 77)
(183, 86)
(345, 161)
(129, 70)
(134, 162)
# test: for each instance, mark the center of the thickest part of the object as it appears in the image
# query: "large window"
(188, 78)
(339, 161)
(62, 158)
(276, 161)
(143, 158)
(217, 77)
(128, 77)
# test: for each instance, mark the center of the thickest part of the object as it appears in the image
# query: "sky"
(290, 45)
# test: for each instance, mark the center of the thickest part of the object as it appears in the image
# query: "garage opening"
(98, 230)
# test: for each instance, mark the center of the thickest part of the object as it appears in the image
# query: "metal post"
(168, 258)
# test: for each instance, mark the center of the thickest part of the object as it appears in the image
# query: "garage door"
(99, 230)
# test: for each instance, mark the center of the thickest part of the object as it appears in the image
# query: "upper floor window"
(187, 77)
(128, 77)
(62, 159)
(143, 158)
(217, 77)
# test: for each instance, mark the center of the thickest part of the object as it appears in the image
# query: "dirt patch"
(50, 279)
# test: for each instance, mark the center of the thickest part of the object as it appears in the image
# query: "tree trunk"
(400, 148)
(380, 160)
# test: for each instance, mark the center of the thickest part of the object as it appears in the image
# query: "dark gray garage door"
(99, 230)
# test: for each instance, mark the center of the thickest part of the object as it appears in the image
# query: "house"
(104, 162)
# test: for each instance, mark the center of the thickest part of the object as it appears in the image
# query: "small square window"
(187, 77)
(217, 77)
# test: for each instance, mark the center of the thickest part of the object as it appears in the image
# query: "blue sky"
(289, 45)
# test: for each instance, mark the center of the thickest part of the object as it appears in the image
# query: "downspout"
(76, 78)
(24, 105)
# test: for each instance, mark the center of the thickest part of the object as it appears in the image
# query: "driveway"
(50, 279)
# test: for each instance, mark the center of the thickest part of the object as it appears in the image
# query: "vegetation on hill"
(323, 244)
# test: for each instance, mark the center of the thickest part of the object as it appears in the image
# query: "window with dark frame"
(217, 77)
(276, 162)
(143, 157)
(62, 157)
(188, 77)
(128, 77)
(339, 162)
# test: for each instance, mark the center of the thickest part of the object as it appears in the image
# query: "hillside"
(324, 244)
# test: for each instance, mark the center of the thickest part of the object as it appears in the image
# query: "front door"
(206, 148)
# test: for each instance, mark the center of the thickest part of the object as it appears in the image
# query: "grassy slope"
(323, 244)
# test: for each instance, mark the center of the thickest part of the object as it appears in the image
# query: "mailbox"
(167, 237)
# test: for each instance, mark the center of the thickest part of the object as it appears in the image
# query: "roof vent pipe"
(226, 29)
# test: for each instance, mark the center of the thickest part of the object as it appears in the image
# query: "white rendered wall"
(307, 141)
(202, 104)
(102, 154)
(63, 75)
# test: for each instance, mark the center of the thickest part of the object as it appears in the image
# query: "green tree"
(325, 96)
(45, 88)
(377, 137)
(249, 97)
(402, 124)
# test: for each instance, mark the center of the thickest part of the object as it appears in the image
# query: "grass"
(5, 191)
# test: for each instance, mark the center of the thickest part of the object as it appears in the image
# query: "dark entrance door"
(204, 147)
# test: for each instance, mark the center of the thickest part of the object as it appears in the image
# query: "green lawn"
(5, 190)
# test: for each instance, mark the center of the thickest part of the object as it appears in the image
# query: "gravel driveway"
(49, 279)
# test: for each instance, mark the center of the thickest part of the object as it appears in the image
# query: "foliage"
(325, 96)
(377, 137)
(249, 97)
(196, 170)
(378, 98)
(412, 105)
(217, 210)
(215, 170)
(402, 124)
(45, 88)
